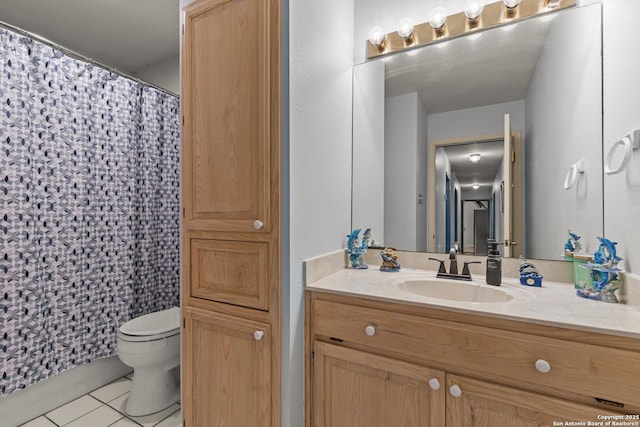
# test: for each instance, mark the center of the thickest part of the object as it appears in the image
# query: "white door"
(508, 188)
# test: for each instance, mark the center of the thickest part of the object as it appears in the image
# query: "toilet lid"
(153, 323)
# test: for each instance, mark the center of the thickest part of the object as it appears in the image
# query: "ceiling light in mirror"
(475, 186)
(376, 36)
(438, 17)
(405, 28)
(474, 158)
(473, 9)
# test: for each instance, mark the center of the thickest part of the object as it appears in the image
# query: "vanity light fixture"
(477, 16)
(475, 186)
(437, 18)
(473, 9)
(511, 4)
(405, 29)
(475, 157)
(376, 37)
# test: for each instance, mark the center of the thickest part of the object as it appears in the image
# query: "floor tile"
(72, 410)
(155, 418)
(174, 420)
(119, 402)
(39, 422)
(125, 422)
(111, 391)
(102, 417)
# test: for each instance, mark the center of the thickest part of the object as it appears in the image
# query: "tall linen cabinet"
(231, 225)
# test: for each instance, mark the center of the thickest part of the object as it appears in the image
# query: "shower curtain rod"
(81, 57)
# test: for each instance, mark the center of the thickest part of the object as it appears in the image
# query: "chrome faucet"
(453, 268)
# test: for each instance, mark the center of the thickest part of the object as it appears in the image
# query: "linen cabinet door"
(357, 389)
(473, 403)
(234, 272)
(227, 371)
(227, 98)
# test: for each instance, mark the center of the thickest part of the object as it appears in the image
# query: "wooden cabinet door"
(357, 389)
(482, 404)
(233, 272)
(226, 371)
(227, 101)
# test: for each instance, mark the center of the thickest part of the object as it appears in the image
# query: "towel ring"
(626, 144)
(572, 174)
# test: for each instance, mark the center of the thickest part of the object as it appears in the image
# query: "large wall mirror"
(492, 135)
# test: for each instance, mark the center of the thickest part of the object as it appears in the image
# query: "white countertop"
(554, 304)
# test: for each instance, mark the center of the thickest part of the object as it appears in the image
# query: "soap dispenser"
(494, 264)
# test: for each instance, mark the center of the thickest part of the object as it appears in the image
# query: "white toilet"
(150, 344)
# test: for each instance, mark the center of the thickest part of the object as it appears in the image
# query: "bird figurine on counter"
(390, 260)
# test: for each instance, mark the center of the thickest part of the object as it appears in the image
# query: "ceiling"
(486, 68)
(129, 35)
(482, 173)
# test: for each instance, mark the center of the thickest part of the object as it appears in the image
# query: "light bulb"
(405, 28)
(473, 9)
(474, 158)
(376, 36)
(511, 3)
(553, 3)
(475, 186)
(438, 17)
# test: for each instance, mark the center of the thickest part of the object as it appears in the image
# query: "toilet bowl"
(150, 344)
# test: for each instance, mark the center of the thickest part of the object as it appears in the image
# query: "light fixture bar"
(493, 15)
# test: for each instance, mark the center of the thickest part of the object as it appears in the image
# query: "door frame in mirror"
(516, 202)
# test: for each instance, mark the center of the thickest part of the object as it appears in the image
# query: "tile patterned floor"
(104, 407)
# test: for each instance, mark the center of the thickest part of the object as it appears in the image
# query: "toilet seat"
(152, 326)
(145, 338)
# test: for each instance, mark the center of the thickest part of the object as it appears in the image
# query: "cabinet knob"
(434, 384)
(455, 391)
(370, 330)
(257, 224)
(258, 335)
(543, 366)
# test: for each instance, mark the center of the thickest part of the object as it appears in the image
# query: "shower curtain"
(89, 201)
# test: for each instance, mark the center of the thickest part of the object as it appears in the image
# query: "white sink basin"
(457, 291)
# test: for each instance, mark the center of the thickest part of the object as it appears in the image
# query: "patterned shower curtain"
(89, 209)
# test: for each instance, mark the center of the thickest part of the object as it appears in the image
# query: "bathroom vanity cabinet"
(371, 361)
(231, 226)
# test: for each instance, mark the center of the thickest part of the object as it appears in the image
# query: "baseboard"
(40, 398)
